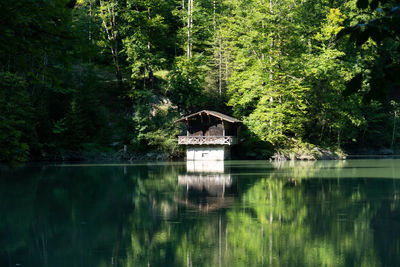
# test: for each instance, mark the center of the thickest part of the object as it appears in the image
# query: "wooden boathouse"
(209, 135)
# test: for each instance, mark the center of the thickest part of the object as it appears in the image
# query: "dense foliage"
(95, 75)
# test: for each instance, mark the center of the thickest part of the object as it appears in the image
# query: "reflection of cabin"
(213, 184)
(207, 186)
(207, 192)
(209, 135)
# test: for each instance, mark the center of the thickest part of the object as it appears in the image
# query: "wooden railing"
(207, 140)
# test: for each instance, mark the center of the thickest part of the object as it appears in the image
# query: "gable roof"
(212, 113)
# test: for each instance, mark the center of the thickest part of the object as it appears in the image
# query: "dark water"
(246, 213)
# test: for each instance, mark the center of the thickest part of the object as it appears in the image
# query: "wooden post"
(187, 127)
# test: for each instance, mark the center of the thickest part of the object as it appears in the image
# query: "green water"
(244, 213)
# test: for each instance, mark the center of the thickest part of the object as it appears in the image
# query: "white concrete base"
(207, 153)
(205, 166)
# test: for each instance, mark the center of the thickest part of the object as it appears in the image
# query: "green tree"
(264, 85)
(335, 118)
(17, 129)
(381, 26)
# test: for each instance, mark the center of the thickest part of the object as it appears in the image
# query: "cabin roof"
(212, 113)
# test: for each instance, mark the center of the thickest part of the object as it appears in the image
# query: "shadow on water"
(238, 213)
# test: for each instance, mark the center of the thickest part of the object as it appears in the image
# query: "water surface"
(239, 213)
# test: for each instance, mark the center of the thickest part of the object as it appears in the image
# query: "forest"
(85, 77)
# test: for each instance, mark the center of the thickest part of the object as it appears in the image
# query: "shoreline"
(162, 157)
(130, 157)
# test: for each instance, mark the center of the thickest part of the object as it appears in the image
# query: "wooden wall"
(210, 126)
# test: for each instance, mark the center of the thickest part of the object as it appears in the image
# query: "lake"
(234, 213)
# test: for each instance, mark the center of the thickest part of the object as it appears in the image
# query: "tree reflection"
(78, 216)
(296, 226)
(308, 214)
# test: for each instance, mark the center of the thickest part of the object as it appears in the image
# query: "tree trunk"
(148, 66)
(214, 20)
(220, 66)
(394, 129)
(189, 28)
(271, 10)
(110, 28)
(90, 20)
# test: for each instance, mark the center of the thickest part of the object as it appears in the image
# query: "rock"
(385, 151)
(306, 157)
(251, 154)
(150, 156)
(161, 157)
(278, 157)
